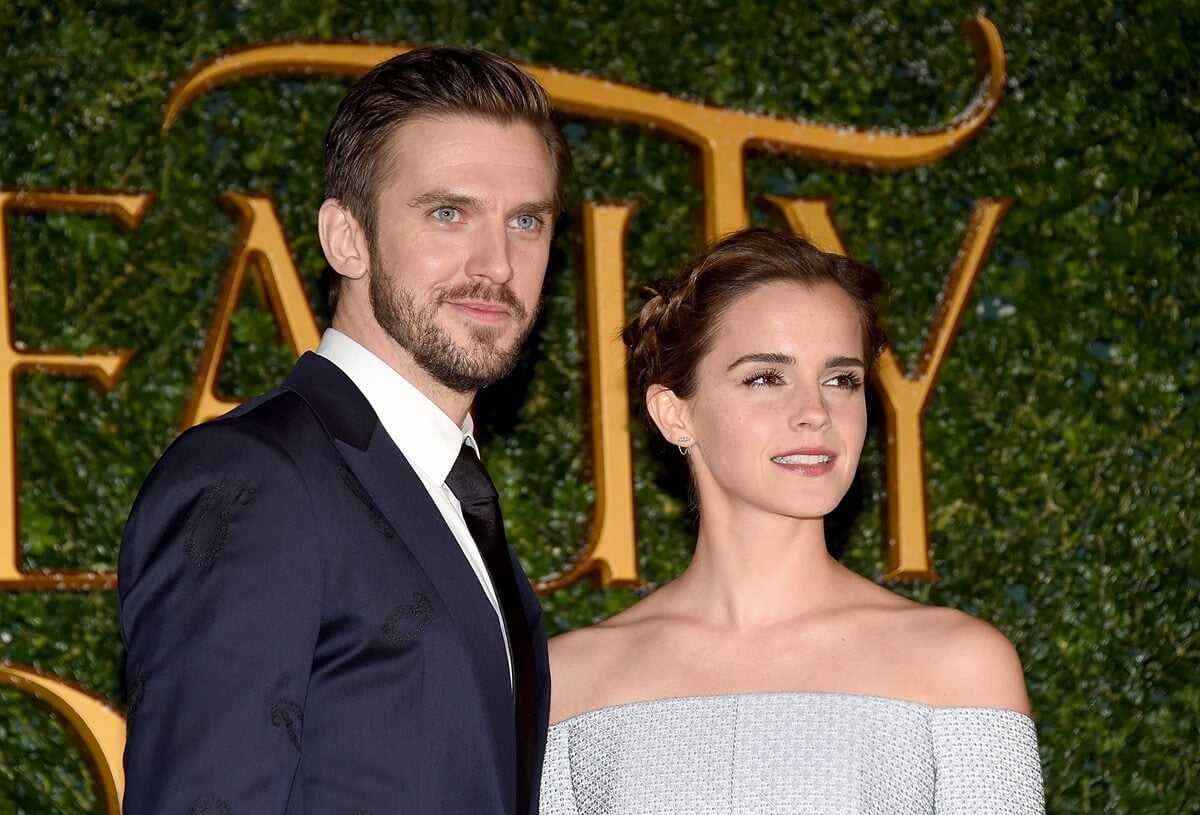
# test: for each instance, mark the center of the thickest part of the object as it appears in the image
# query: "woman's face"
(779, 413)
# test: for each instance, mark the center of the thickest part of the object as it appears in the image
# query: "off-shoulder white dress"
(802, 753)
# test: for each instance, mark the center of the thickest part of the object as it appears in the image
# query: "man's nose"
(489, 256)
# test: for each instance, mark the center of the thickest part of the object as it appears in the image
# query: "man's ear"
(342, 239)
(670, 415)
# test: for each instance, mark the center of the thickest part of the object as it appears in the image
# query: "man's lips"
(483, 310)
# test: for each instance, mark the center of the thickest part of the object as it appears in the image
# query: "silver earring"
(680, 442)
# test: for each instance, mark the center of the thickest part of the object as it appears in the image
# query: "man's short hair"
(441, 80)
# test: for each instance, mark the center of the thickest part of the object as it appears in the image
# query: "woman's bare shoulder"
(587, 662)
(596, 641)
(577, 650)
(961, 661)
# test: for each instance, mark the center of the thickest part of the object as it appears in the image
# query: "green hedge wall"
(1061, 462)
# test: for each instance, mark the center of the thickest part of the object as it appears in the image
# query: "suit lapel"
(392, 484)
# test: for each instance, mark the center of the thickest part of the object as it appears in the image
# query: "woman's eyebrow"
(771, 358)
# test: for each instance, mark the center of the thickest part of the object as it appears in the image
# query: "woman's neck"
(752, 570)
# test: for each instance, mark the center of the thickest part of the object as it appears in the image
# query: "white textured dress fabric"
(794, 753)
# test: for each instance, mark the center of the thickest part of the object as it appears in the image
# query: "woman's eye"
(763, 379)
(847, 382)
(525, 222)
(445, 214)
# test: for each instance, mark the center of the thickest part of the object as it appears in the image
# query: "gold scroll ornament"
(722, 137)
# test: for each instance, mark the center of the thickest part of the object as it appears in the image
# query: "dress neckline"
(797, 695)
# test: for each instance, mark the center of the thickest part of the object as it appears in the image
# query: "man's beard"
(414, 327)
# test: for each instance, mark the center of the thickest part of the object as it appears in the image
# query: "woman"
(768, 678)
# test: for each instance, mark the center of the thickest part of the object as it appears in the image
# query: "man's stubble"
(414, 327)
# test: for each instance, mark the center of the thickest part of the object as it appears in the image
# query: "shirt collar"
(426, 436)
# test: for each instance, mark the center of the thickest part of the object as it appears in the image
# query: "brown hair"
(441, 80)
(676, 326)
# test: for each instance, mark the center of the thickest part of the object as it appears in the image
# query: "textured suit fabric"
(303, 633)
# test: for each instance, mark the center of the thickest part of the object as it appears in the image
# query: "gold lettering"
(612, 548)
(811, 218)
(102, 368)
(261, 241)
(98, 725)
(722, 136)
(906, 396)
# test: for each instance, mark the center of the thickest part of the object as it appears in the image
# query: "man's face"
(463, 235)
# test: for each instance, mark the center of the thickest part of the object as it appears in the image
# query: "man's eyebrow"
(445, 198)
(541, 207)
(458, 200)
(772, 358)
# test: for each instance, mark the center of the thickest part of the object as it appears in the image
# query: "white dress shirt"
(426, 436)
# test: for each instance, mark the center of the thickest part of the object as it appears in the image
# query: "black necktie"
(481, 509)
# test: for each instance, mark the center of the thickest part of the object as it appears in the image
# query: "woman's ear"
(342, 240)
(670, 415)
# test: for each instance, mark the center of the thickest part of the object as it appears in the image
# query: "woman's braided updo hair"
(676, 326)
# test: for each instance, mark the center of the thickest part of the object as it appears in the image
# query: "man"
(320, 611)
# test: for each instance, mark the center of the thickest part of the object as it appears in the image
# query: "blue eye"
(445, 214)
(525, 222)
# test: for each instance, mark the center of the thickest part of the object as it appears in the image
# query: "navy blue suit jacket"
(303, 633)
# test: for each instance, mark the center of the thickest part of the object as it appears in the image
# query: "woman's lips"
(812, 462)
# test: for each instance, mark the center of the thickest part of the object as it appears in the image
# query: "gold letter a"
(261, 240)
